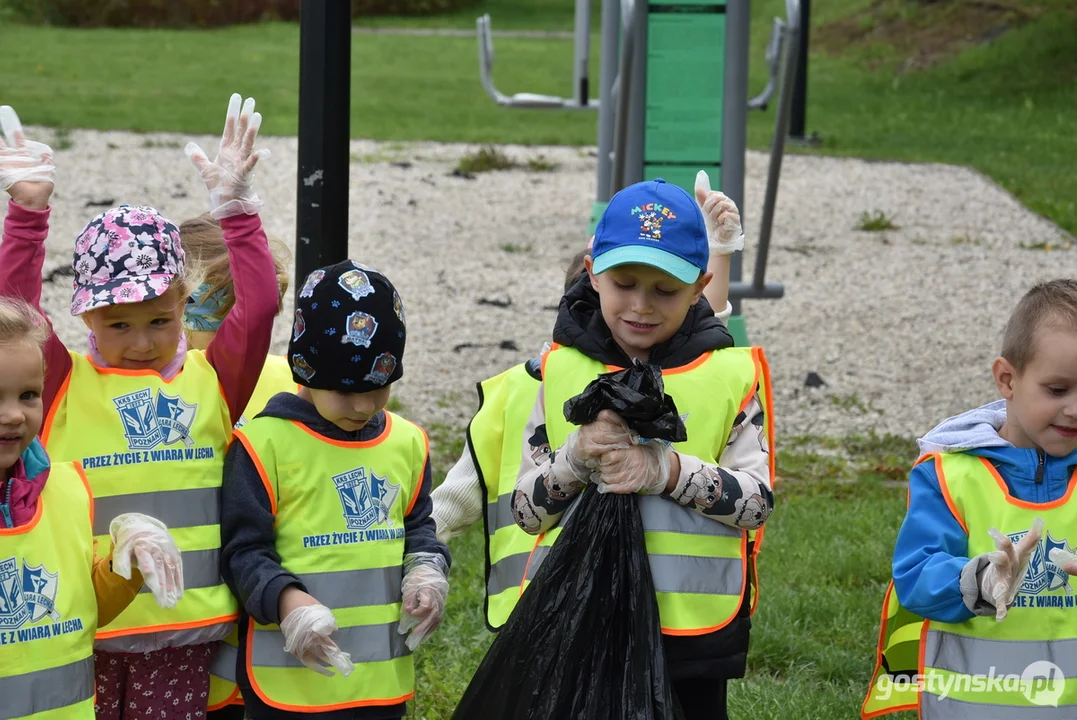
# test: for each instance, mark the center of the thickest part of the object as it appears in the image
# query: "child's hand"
(1064, 559)
(26, 169)
(721, 216)
(292, 598)
(1002, 578)
(146, 542)
(607, 432)
(583, 447)
(228, 178)
(425, 589)
(642, 468)
(306, 630)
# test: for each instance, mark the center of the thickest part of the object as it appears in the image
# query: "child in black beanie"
(326, 517)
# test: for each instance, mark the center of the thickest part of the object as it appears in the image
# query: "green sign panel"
(685, 86)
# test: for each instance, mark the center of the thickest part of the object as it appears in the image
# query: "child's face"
(348, 411)
(21, 385)
(1041, 408)
(139, 336)
(642, 305)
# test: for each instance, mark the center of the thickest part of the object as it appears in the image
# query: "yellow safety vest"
(495, 436)
(1025, 666)
(701, 567)
(340, 509)
(223, 690)
(276, 378)
(152, 446)
(48, 610)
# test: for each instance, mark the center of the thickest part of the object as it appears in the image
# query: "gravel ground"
(901, 325)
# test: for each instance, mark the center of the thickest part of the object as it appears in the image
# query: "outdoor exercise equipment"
(673, 100)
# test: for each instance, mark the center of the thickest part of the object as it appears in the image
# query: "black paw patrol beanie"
(348, 333)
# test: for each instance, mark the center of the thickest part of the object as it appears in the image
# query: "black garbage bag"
(638, 396)
(585, 642)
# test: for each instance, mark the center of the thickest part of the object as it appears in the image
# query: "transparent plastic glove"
(642, 468)
(425, 589)
(306, 633)
(1002, 578)
(724, 233)
(1064, 559)
(146, 542)
(21, 160)
(231, 173)
(583, 447)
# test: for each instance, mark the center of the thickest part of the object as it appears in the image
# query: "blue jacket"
(931, 547)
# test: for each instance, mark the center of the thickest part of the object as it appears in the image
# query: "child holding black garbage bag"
(704, 501)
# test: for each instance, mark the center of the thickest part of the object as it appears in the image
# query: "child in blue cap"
(703, 501)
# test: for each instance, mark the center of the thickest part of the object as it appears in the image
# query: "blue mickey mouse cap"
(653, 223)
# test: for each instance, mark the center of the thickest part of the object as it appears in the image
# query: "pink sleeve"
(22, 256)
(239, 349)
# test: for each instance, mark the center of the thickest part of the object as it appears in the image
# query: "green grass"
(504, 15)
(823, 569)
(875, 222)
(1004, 107)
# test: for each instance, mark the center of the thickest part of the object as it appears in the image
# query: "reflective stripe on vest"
(495, 436)
(276, 378)
(223, 690)
(958, 661)
(156, 447)
(698, 592)
(49, 611)
(340, 509)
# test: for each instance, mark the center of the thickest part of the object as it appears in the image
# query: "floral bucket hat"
(125, 255)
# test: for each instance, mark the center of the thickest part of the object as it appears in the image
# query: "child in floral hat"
(149, 420)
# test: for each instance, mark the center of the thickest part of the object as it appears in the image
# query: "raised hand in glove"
(642, 468)
(146, 542)
(229, 176)
(724, 234)
(306, 625)
(26, 169)
(1002, 578)
(425, 589)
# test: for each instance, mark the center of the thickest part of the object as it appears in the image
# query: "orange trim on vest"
(546, 355)
(245, 441)
(1024, 503)
(763, 368)
(162, 628)
(233, 699)
(38, 512)
(743, 587)
(86, 484)
(755, 575)
(529, 558)
(879, 662)
(419, 482)
(302, 708)
(47, 429)
(920, 661)
(350, 443)
(946, 491)
(135, 373)
(761, 359)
